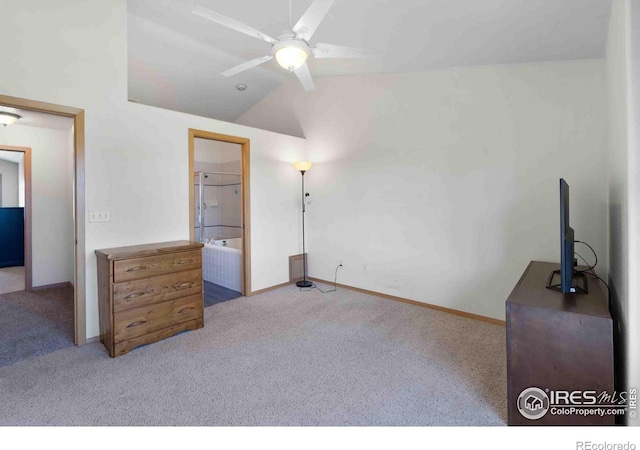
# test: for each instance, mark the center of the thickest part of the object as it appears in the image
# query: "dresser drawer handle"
(135, 324)
(187, 309)
(184, 285)
(185, 261)
(136, 268)
(134, 295)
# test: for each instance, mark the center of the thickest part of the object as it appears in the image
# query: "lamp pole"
(303, 167)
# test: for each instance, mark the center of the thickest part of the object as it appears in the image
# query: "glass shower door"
(198, 190)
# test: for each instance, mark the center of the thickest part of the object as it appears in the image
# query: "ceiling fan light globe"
(291, 53)
(7, 118)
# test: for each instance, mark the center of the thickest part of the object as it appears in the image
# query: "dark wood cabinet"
(11, 237)
(557, 342)
(148, 292)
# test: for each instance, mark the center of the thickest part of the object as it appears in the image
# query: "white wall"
(73, 53)
(21, 183)
(51, 194)
(280, 113)
(10, 185)
(634, 197)
(623, 64)
(617, 174)
(444, 184)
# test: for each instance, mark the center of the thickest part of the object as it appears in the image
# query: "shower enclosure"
(218, 206)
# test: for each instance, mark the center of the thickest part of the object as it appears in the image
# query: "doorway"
(15, 219)
(219, 212)
(79, 306)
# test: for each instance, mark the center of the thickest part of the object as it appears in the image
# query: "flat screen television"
(568, 275)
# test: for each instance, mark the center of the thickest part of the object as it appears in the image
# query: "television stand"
(557, 342)
(584, 289)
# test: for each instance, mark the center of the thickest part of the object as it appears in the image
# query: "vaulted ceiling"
(175, 57)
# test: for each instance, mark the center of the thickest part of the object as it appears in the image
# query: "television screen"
(568, 274)
(566, 241)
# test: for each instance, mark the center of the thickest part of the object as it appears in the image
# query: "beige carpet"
(33, 323)
(11, 279)
(284, 357)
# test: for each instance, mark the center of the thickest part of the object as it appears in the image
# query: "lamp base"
(304, 283)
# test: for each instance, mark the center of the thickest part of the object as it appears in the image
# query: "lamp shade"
(8, 118)
(291, 54)
(302, 166)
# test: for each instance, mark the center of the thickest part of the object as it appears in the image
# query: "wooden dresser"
(148, 292)
(557, 343)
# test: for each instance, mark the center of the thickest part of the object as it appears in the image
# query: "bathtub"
(222, 264)
(231, 243)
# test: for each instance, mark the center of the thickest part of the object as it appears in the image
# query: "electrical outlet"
(340, 263)
(364, 268)
(99, 216)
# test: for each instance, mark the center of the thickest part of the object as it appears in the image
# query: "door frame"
(79, 285)
(26, 167)
(245, 144)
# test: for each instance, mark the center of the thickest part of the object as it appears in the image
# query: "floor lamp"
(303, 166)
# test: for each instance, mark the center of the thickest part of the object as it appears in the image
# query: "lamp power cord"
(314, 286)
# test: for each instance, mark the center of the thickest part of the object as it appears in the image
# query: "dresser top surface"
(532, 290)
(137, 251)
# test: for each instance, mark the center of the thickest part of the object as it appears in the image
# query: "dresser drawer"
(136, 293)
(126, 346)
(149, 266)
(149, 319)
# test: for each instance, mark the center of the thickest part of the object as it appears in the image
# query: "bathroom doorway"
(218, 207)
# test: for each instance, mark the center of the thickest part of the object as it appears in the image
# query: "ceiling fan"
(291, 49)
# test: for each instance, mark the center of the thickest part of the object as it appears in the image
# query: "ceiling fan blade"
(312, 17)
(246, 65)
(230, 23)
(339, 51)
(304, 75)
